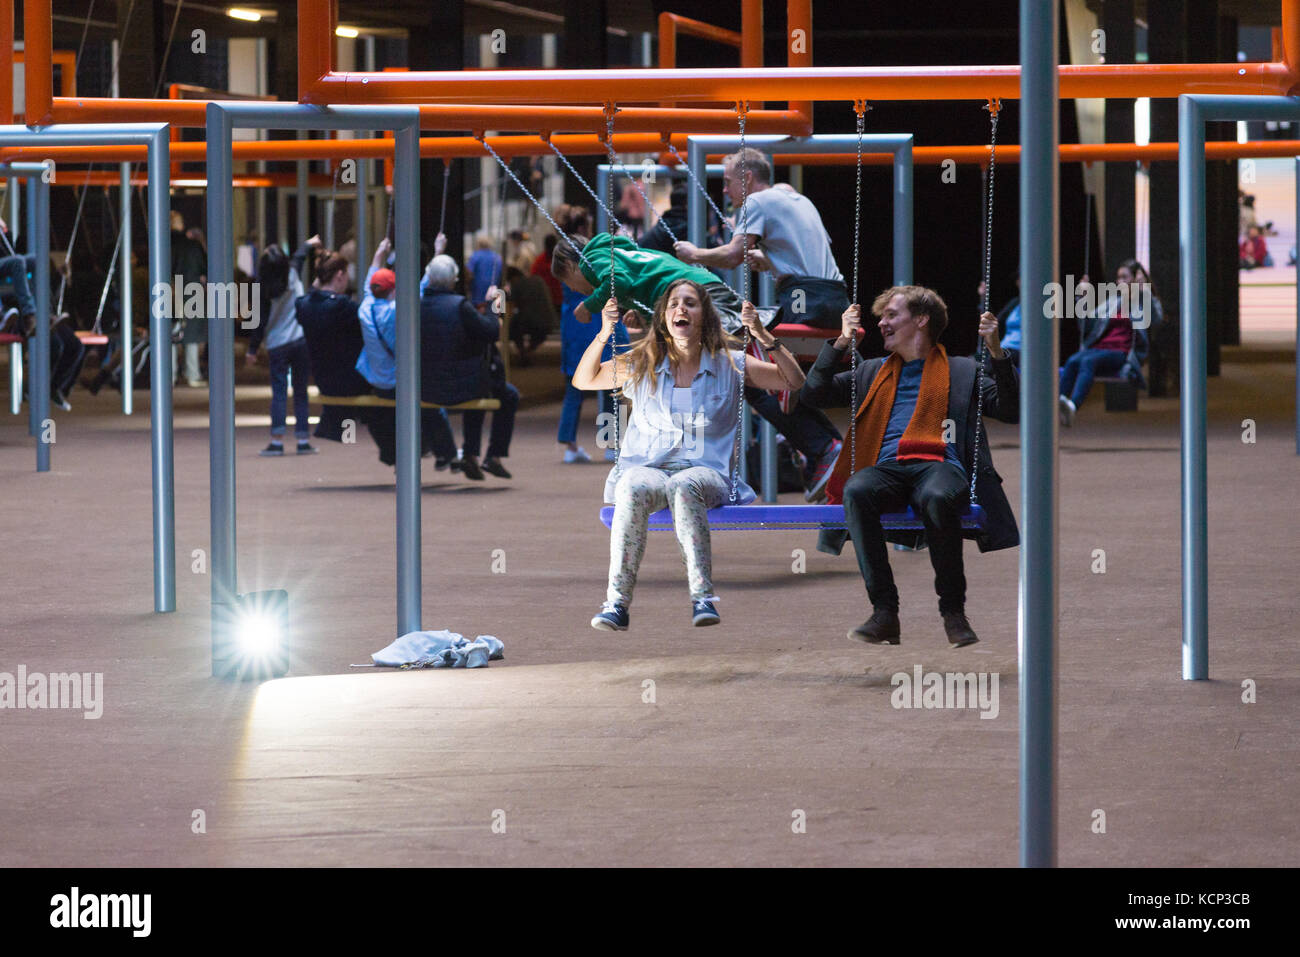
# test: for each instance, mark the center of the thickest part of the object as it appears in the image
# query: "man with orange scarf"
(916, 429)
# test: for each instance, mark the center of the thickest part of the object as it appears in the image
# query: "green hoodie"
(639, 274)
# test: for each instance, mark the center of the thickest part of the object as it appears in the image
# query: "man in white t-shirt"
(786, 236)
(787, 231)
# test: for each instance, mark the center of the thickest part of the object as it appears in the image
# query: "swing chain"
(695, 179)
(860, 107)
(742, 108)
(993, 107)
(446, 176)
(590, 192)
(615, 392)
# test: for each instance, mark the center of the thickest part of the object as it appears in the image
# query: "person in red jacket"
(542, 267)
(1254, 251)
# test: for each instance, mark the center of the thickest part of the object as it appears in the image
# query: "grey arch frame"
(1194, 111)
(404, 121)
(153, 136)
(899, 144)
(603, 171)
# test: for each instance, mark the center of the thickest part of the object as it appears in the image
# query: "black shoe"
(275, 448)
(306, 448)
(880, 629)
(958, 628)
(440, 465)
(494, 466)
(469, 466)
(60, 400)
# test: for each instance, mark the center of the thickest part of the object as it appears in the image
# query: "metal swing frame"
(826, 517)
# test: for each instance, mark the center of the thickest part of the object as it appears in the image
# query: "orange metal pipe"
(192, 113)
(6, 64)
(824, 83)
(705, 31)
(38, 51)
(1291, 40)
(1068, 153)
(751, 33)
(431, 147)
(436, 147)
(798, 16)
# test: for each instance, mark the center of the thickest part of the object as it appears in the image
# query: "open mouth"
(680, 323)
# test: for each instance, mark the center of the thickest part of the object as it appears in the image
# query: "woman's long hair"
(644, 357)
(272, 276)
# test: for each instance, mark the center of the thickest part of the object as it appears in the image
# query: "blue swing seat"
(740, 518)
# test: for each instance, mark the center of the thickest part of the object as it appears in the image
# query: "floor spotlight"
(250, 636)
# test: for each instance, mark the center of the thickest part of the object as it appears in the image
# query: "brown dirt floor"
(770, 714)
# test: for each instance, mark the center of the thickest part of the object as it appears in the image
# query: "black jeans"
(808, 429)
(503, 424)
(435, 431)
(937, 491)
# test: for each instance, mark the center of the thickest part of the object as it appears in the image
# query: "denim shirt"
(378, 318)
(655, 436)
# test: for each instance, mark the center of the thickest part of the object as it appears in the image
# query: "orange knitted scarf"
(923, 437)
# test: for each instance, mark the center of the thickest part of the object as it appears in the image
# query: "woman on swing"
(683, 380)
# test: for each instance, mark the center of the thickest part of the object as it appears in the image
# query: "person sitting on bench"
(328, 317)
(378, 363)
(459, 362)
(1111, 343)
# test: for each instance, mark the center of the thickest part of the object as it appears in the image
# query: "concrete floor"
(768, 720)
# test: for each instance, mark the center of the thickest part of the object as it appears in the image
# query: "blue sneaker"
(703, 613)
(612, 617)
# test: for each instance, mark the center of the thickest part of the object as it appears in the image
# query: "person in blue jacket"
(459, 362)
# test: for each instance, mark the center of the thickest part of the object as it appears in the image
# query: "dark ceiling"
(481, 16)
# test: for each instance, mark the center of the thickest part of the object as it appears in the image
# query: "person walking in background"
(484, 268)
(279, 286)
(190, 262)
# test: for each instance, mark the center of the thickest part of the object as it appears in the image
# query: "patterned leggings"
(690, 493)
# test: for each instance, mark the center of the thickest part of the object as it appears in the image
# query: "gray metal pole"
(15, 216)
(124, 286)
(363, 221)
(303, 199)
(221, 373)
(154, 136)
(1192, 410)
(327, 234)
(160, 372)
(38, 245)
(406, 188)
(903, 219)
(1039, 248)
(697, 217)
(602, 190)
(33, 420)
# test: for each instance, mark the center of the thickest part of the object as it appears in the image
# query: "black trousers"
(435, 431)
(937, 491)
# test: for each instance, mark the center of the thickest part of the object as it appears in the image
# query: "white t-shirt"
(792, 234)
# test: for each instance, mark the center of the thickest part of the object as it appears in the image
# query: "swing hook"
(994, 105)
(610, 112)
